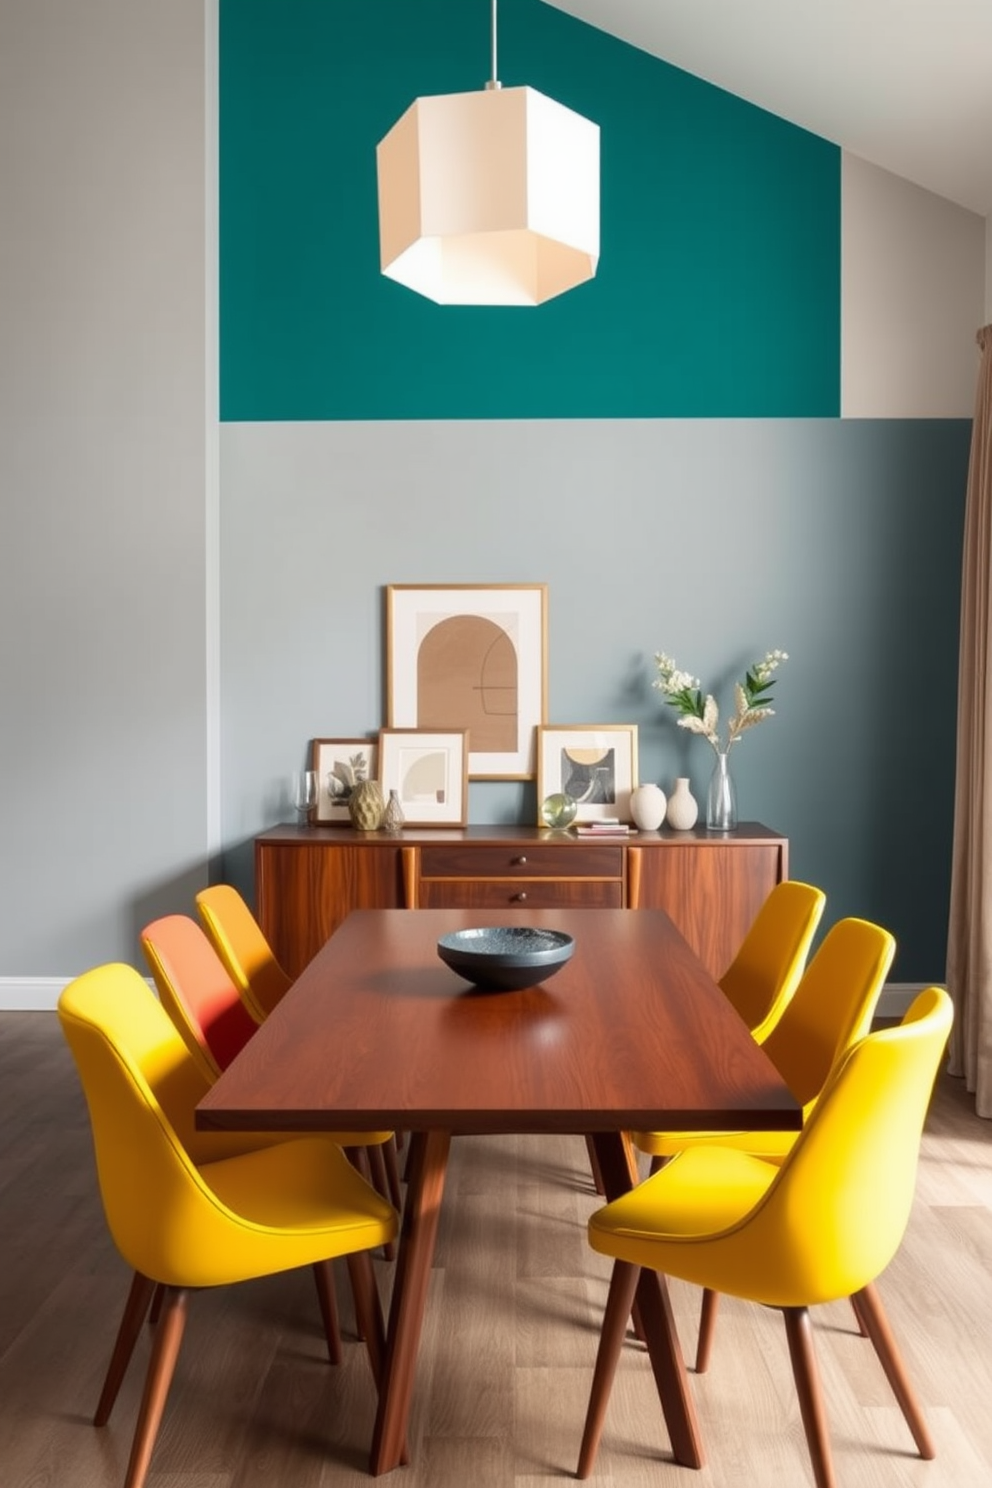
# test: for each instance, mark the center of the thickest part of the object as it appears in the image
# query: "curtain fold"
(969, 940)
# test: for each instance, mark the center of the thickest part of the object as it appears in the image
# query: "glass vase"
(721, 798)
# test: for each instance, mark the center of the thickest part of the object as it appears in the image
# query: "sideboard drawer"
(539, 893)
(538, 860)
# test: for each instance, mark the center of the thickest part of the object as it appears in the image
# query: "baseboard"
(897, 996)
(40, 994)
(33, 994)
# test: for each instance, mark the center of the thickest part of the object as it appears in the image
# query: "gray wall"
(102, 474)
(838, 542)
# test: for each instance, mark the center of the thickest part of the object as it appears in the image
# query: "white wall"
(912, 278)
(102, 486)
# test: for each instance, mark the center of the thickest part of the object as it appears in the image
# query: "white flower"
(699, 715)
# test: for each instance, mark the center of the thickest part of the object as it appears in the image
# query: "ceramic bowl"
(502, 957)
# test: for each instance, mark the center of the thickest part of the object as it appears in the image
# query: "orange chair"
(237, 937)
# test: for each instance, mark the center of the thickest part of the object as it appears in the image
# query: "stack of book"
(607, 826)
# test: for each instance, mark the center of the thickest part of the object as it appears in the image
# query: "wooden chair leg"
(393, 1173)
(135, 1308)
(377, 1166)
(323, 1275)
(368, 1310)
(707, 1329)
(597, 1177)
(165, 1351)
(807, 1376)
(623, 1285)
(871, 1313)
(156, 1307)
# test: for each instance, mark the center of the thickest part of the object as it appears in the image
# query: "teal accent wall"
(718, 290)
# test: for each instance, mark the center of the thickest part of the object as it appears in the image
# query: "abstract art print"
(593, 764)
(471, 657)
(429, 773)
(341, 764)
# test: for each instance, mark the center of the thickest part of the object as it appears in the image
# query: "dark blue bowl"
(502, 957)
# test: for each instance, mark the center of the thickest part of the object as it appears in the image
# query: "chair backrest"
(135, 1071)
(197, 992)
(237, 937)
(832, 1007)
(837, 1210)
(766, 971)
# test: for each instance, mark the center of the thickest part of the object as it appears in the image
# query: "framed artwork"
(595, 764)
(463, 656)
(428, 770)
(340, 765)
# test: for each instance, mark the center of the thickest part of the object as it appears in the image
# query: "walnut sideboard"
(308, 879)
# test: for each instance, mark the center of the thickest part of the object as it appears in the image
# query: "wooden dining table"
(632, 1033)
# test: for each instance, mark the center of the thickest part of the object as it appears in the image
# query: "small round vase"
(647, 807)
(683, 808)
(558, 810)
(366, 805)
(721, 798)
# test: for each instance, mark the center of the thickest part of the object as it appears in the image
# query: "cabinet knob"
(521, 896)
(521, 861)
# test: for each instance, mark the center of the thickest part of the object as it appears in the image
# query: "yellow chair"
(184, 1224)
(237, 937)
(763, 976)
(820, 1226)
(831, 1008)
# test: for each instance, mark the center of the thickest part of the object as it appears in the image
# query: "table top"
(377, 1032)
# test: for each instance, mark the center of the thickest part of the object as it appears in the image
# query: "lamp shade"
(489, 198)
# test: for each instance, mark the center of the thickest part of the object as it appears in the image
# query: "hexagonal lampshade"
(489, 198)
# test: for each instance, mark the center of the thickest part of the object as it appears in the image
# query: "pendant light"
(489, 198)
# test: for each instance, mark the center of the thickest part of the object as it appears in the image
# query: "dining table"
(378, 1033)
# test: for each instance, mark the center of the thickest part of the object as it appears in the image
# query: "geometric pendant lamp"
(489, 198)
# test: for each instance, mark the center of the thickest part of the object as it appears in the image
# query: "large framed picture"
(463, 656)
(595, 764)
(341, 764)
(428, 770)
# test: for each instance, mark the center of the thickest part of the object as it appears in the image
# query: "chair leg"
(368, 1310)
(597, 1177)
(323, 1275)
(393, 1173)
(377, 1167)
(165, 1351)
(871, 1313)
(707, 1329)
(623, 1285)
(799, 1331)
(156, 1306)
(135, 1308)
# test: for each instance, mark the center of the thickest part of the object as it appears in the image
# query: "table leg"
(653, 1309)
(427, 1166)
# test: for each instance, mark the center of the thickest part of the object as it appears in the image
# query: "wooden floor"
(509, 1343)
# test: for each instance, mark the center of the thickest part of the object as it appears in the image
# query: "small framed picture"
(594, 764)
(472, 656)
(429, 773)
(341, 764)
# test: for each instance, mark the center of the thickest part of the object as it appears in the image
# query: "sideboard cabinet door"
(303, 892)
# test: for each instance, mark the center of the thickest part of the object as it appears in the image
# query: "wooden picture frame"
(595, 764)
(475, 657)
(340, 764)
(428, 770)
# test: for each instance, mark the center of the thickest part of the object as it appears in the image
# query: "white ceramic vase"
(683, 809)
(647, 807)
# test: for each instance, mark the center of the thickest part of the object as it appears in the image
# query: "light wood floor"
(510, 1335)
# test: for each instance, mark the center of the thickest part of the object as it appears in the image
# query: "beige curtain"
(969, 941)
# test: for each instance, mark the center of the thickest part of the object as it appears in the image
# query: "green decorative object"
(558, 810)
(366, 805)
